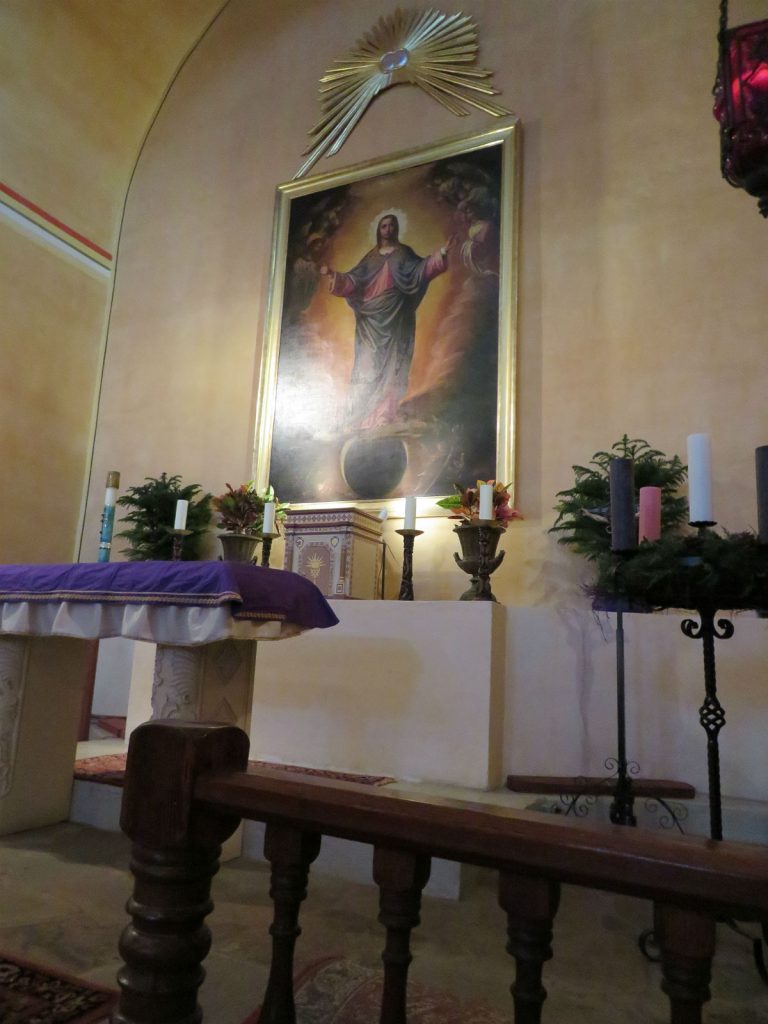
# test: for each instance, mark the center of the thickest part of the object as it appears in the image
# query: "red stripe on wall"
(40, 212)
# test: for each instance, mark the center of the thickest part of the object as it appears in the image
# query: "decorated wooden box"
(339, 549)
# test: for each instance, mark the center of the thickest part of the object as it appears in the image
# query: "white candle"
(409, 519)
(700, 479)
(113, 482)
(486, 501)
(181, 514)
(269, 518)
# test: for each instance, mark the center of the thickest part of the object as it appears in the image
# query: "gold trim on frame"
(507, 135)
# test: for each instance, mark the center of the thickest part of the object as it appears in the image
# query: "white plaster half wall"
(465, 693)
(410, 689)
(561, 697)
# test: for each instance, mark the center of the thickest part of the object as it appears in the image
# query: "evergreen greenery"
(681, 570)
(152, 511)
(704, 570)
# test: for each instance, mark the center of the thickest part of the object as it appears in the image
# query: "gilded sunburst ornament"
(427, 48)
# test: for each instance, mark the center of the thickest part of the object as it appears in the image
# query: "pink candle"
(650, 513)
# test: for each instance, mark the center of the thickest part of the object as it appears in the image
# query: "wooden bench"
(188, 786)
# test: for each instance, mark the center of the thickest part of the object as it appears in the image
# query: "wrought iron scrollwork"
(674, 813)
(612, 764)
(711, 713)
(695, 630)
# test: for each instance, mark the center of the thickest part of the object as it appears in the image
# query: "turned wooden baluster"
(290, 852)
(687, 942)
(530, 905)
(400, 877)
(175, 855)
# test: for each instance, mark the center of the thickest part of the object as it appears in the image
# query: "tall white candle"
(486, 501)
(700, 479)
(269, 518)
(409, 519)
(181, 514)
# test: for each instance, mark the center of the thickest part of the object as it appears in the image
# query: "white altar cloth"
(159, 624)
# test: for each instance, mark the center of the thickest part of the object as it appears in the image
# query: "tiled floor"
(63, 889)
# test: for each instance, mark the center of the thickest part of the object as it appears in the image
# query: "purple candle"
(621, 479)
(761, 467)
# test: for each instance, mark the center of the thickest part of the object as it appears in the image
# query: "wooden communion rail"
(188, 786)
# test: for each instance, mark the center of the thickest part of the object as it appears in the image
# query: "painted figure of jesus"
(384, 291)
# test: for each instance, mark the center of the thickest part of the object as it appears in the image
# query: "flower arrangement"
(241, 509)
(465, 503)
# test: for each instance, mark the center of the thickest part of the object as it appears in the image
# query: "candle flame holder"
(178, 543)
(406, 586)
(266, 548)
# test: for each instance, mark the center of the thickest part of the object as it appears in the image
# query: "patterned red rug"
(109, 769)
(337, 991)
(31, 994)
(332, 990)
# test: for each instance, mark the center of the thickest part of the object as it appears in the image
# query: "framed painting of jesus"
(388, 362)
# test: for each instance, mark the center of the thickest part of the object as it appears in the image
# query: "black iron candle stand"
(406, 585)
(266, 548)
(178, 543)
(624, 784)
(622, 807)
(711, 713)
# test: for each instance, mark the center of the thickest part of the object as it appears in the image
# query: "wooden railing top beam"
(724, 876)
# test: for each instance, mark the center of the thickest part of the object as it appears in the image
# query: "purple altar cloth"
(252, 592)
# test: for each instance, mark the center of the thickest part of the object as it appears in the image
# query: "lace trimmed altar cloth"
(185, 603)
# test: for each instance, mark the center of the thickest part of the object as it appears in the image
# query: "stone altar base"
(42, 682)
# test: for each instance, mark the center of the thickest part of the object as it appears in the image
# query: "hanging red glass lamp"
(741, 106)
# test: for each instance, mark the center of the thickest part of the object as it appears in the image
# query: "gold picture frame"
(395, 376)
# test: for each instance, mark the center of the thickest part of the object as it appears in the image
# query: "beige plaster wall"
(53, 315)
(83, 81)
(80, 83)
(642, 274)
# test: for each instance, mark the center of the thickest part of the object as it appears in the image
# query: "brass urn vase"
(238, 547)
(479, 541)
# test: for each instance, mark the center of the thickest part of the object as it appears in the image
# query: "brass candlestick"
(266, 548)
(178, 543)
(406, 586)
